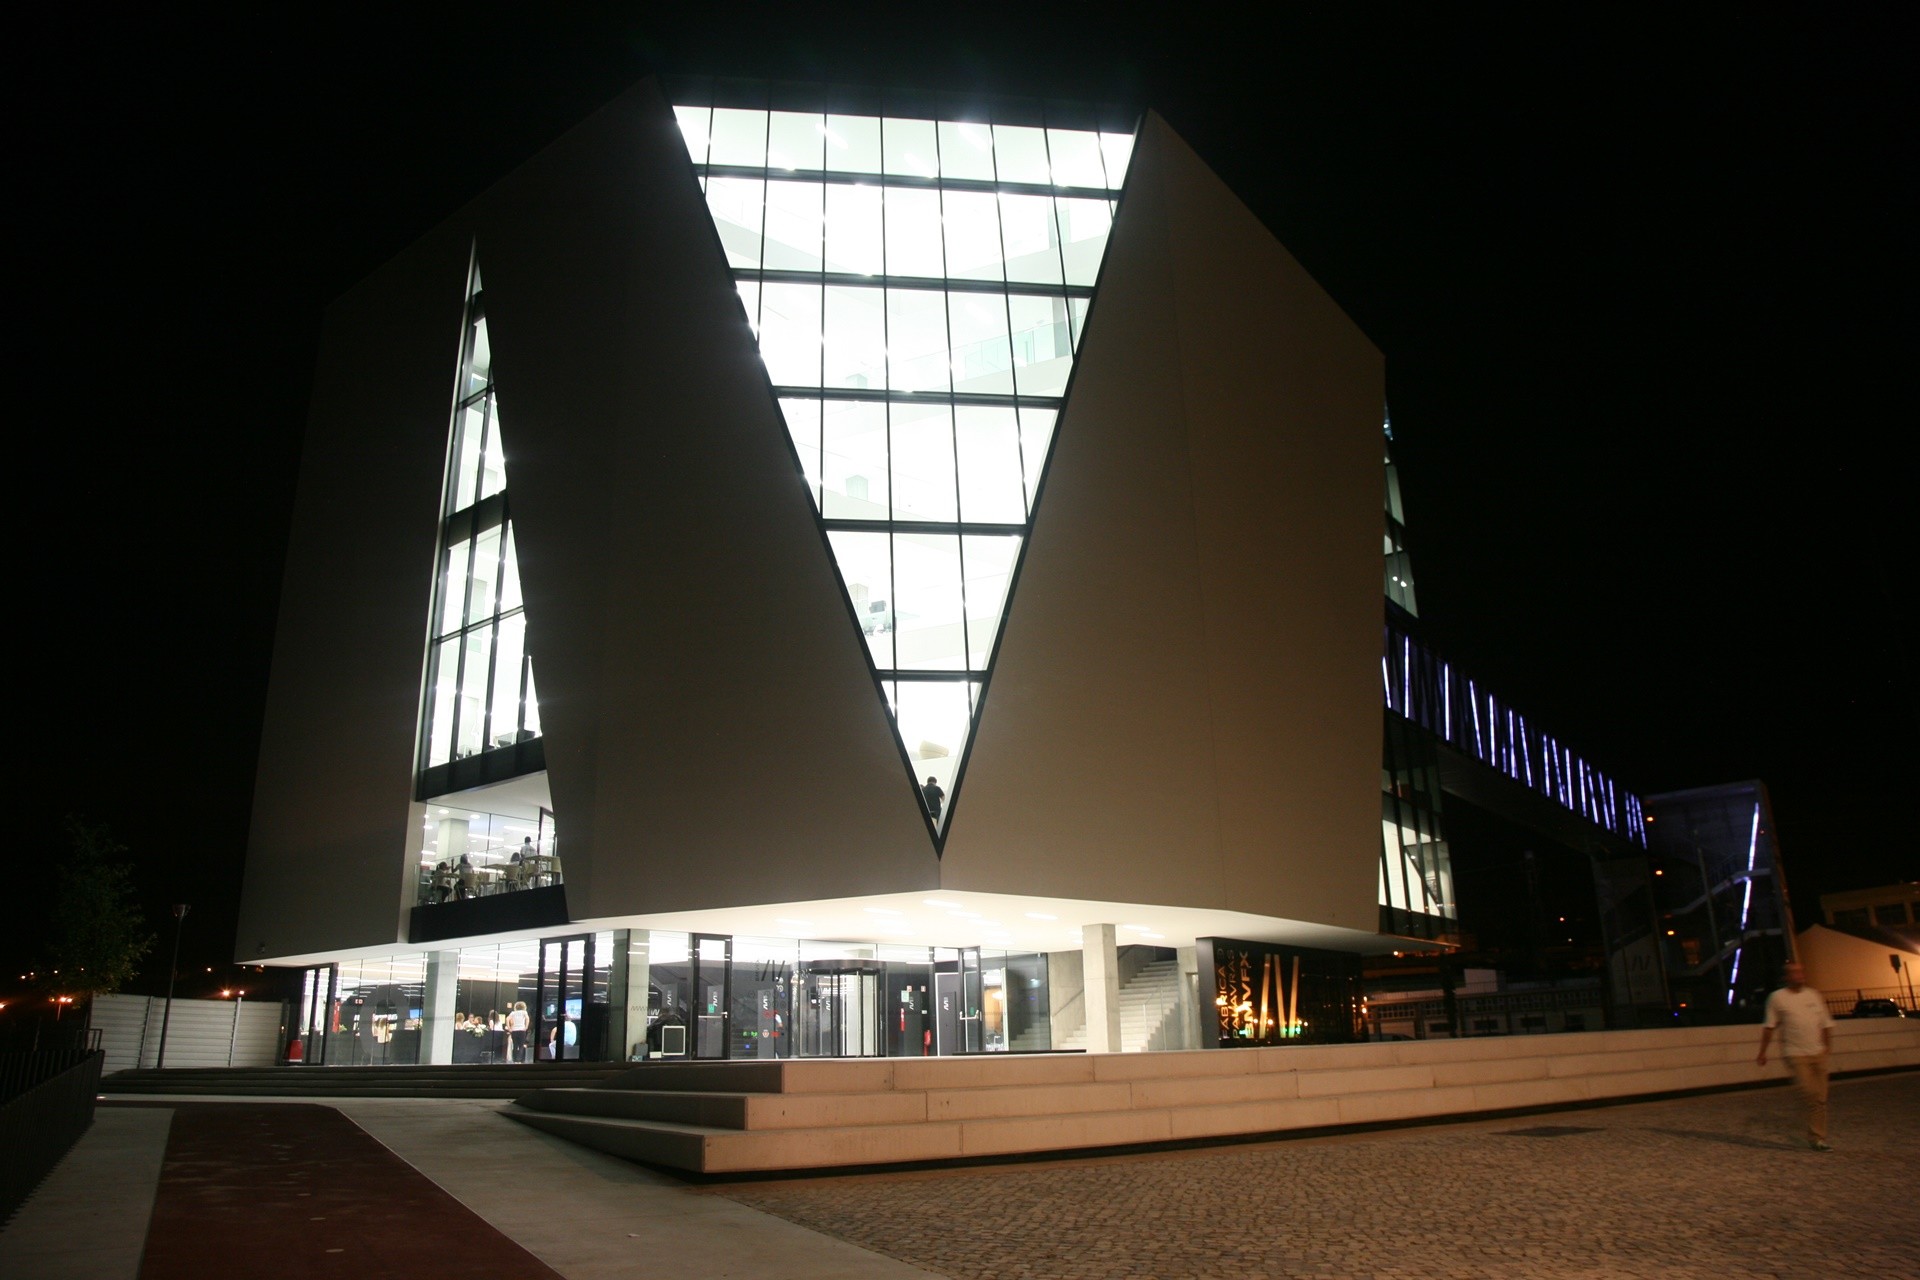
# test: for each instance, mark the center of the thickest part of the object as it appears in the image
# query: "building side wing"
(1185, 707)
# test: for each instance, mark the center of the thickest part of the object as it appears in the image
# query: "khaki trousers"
(1810, 1078)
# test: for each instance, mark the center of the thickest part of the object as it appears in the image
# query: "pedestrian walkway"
(1687, 1189)
(1698, 1188)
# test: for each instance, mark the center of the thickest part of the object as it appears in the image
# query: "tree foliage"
(97, 932)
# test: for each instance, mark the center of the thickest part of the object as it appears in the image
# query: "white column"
(436, 1013)
(1102, 963)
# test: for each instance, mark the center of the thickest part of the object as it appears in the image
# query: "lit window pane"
(446, 696)
(1032, 244)
(856, 338)
(505, 726)
(933, 718)
(866, 568)
(510, 576)
(916, 340)
(923, 483)
(469, 430)
(982, 361)
(989, 566)
(794, 140)
(972, 220)
(793, 226)
(738, 137)
(1042, 344)
(988, 443)
(803, 424)
(854, 230)
(694, 124)
(1116, 149)
(737, 215)
(1020, 154)
(853, 144)
(1077, 319)
(493, 460)
(453, 589)
(913, 233)
(1084, 227)
(531, 709)
(479, 359)
(854, 460)
(749, 291)
(1076, 158)
(910, 147)
(790, 333)
(1036, 437)
(470, 733)
(926, 583)
(966, 151)
(486, 569)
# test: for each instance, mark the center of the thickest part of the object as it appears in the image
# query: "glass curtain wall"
(378, 1008)
(919, 288)
(480, 693)
(786, 998)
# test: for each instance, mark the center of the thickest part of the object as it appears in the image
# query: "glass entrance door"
(836, 1009)
(971, 1023)
(564, 966)
(317, 995)
(712, 961)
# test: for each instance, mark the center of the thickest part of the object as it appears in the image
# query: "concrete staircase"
(504, 1080)
(761, 1116)
(1147, 1000)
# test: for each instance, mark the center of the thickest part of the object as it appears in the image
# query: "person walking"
(1800, 1014)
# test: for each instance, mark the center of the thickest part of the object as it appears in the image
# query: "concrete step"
(991, 1105)
(497, 1081)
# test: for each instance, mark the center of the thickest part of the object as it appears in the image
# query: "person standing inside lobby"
(1800, 1014)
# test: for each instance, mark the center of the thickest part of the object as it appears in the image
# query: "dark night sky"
(1643, 280)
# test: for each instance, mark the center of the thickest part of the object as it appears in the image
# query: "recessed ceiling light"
(880, 911)
(1040, 915)
(941, 903)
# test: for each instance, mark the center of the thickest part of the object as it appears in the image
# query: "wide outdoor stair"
(765, 1116)
(504, 1080)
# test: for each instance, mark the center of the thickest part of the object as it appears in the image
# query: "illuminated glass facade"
(480, 698)
(919, 288)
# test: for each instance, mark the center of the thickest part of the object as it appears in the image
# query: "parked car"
(1876, 1009)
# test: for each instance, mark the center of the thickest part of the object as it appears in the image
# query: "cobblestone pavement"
(1693, 1189)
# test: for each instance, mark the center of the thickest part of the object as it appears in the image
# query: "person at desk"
(467, 876)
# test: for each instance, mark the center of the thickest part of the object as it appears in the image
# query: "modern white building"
(847, 575)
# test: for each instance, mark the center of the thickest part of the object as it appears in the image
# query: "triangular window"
(480, 699)
(918, 288)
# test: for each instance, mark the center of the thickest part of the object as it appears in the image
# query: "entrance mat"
(276, 1189)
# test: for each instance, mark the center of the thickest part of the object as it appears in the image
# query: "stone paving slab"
(1699, 1188)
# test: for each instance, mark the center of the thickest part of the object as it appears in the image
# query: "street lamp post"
(179, 921)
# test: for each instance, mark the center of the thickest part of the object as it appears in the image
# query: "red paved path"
(273, 1190)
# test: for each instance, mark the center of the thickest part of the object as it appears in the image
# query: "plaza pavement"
(1704, 1187)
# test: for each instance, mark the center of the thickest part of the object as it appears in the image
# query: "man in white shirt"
(1806, 1042)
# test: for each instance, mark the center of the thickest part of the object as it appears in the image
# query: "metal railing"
(40, 1123)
